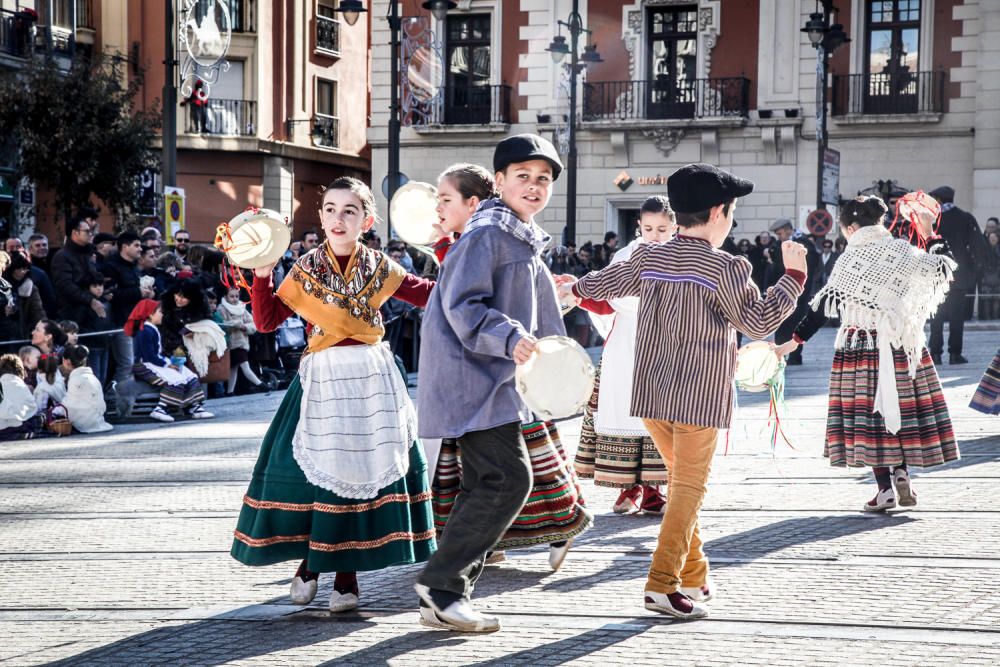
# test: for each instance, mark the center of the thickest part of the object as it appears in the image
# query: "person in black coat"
(183, 303)
(759, 255)
(73, 266)
(968, 246)
(121, 273)
(783, 231)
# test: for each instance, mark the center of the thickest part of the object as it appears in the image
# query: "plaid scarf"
(493, 212)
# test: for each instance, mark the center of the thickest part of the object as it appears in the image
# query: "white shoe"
(700, 593)
(160, 416)
(558, 554)
(201, 413)
(303, 592)
(907, 496)
(660, 603)
(342, 601)
(883, 500)
(458, 616)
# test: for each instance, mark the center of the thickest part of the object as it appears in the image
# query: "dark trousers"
(951, 311)
(496, 481)
(787, 328)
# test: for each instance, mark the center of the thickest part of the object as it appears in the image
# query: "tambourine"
(757, 367)
(256, 237)
(413, 211)
(915, 208)
(558, 379)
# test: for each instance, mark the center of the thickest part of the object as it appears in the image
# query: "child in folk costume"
(238, 324)
(493, 297)
(84, 399)
(19, 418)
(341, 482)
(50, 382)
(987, 396)
(180, 388)
(693, 298)
(886, 407)
(554, 513)
(615, 448)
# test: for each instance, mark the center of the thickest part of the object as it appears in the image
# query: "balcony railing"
(15, 33)
(327, 34)
(888, 93)
(666, 99)
(326, 131)
(222, 117)
(476, 105)
(85, 14)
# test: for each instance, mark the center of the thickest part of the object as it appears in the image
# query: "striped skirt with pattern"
(284, 517)
(613, 460)
(987, 396)
(555, 510)
(172, 395)
(855, 436)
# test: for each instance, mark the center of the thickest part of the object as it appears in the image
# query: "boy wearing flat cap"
(693, 299)
(494, 297)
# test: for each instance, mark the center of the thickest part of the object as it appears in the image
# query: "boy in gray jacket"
(494, 297)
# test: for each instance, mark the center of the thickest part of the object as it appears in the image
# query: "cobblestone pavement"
(114, 550)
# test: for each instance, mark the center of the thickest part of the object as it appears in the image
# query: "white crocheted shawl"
(884, 284)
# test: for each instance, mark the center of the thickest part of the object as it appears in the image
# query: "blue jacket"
(492, 289)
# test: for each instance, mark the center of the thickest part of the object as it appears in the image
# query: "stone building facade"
(913, 98)
(289, 114)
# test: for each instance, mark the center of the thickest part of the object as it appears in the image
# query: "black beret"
(104, 237)
(698, 187)
(525, 147)
(944, 193)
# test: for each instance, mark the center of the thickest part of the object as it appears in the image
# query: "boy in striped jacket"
(694, 298)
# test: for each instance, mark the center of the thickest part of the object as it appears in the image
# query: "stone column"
(279, 181)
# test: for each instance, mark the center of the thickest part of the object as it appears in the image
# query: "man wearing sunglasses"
(73, 265)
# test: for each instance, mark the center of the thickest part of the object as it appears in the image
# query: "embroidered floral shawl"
(341, 305)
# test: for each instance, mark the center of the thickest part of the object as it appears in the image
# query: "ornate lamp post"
(825, 39)
(352, 9)
(559, 49)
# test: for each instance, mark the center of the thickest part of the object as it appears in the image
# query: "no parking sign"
(173, 205)
(819, 222)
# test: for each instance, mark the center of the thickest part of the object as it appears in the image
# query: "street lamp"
(351, 9)
(558, 49)
(826, 39)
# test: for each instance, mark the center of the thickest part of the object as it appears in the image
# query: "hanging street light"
(559, 49)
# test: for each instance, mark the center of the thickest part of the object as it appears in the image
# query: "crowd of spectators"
(78, 299)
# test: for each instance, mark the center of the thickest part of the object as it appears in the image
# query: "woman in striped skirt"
(554, 513)
(886, 408)
(987, 396)
(180, 389)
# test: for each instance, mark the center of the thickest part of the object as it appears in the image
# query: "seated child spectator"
(179, 387)
(18, 416)
(50, 383)
(84, 400)
(238, 325)
(29, 355)
(72, 331)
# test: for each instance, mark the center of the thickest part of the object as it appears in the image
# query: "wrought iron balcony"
(16, 33)
(664, 98)
(85, 14)
(327, 34)
(326, 131)
(888, 93)
(476, 105)
(221, 117)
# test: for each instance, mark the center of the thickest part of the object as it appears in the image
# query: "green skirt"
(285, 517)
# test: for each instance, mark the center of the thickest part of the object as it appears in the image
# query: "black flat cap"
(698, 187)
(943, 193)
(525, 147)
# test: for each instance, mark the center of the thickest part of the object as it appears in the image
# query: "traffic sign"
(173, 204)
(819, 222)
